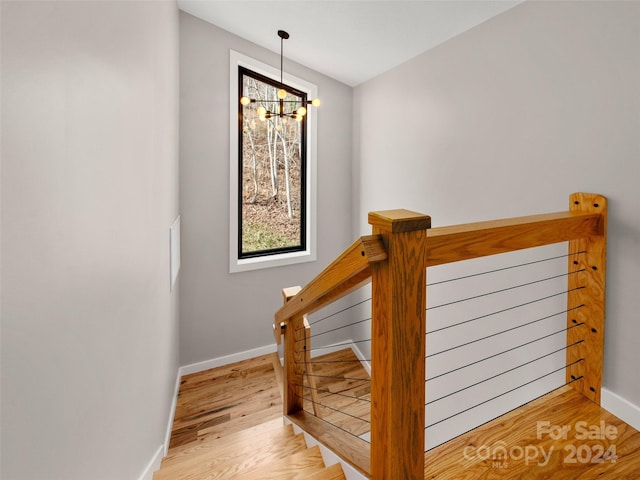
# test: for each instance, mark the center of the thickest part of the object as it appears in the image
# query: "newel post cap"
(400, 220)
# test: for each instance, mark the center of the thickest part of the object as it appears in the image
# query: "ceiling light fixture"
(297, 113)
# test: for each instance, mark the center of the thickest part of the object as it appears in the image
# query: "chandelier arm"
(278, 101)
(247, 100)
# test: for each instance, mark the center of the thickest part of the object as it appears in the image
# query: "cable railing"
(337, 382)
(496, 337)
(368, 375)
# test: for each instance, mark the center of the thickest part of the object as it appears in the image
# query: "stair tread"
(334, 472)
(226, 399)
(230, 370)
(271, 429)
(243, 422)
(227, 423)
(216, 464)
(299, 466)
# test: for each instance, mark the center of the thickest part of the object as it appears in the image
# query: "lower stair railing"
(395, 260)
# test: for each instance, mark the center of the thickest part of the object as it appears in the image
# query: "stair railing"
(395, 260)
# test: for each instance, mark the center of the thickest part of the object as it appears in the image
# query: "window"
(271, 168)
(272, 160)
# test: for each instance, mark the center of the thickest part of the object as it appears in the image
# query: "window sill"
(269, 261)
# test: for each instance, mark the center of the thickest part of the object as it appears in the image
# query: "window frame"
(301, 246)
(274, 258)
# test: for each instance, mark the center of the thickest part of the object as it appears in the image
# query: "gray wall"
(89, 189)
(508, 119)
(223, 313)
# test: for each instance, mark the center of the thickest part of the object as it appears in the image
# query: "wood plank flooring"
(560, 436)
(228, 425)
(226, 399)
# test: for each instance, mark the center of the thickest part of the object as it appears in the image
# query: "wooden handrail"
(344, 275)
(480, 239)
(444, 245)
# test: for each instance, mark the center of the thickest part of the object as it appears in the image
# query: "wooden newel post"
(586, 300)
(294, 337)
(398, 334)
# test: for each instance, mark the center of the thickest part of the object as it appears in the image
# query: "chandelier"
(278, 108)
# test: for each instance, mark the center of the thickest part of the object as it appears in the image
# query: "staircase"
(223, 440)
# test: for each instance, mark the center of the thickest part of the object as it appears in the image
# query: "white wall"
(89, 190)
(223, 313)
(508, 119)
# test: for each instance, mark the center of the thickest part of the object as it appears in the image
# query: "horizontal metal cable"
(504, 268)
(335, 393)
(504, 310)
(333, 329)
(515, 408)
(502, 373)
(339, 311)
(503, 394)
(338, 377)
(350, 387)
(504, 351)
(319, 362)
(334, 409)
(345, 344)
(504, 289)
(504, 331)
(336, 426)
(452, 280)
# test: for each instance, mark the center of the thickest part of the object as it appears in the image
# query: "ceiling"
(349, 40)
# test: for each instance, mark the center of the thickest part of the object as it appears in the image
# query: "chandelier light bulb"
(281, 108)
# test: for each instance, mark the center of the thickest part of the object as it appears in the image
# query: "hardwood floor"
(227, 399)
(562, 436)
(228, 425)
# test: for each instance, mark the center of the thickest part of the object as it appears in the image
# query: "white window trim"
(279, 259)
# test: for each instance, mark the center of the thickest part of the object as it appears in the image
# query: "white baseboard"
(153, 465)
(621, 408)
(363, 360)
(227, 359)
(172, 412)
